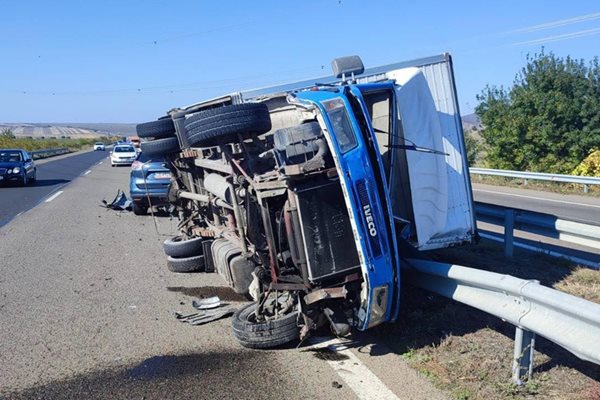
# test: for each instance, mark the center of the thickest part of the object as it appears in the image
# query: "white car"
(99, 146)
(123, 154)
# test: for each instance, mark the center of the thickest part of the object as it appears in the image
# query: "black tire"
(263, 335)
(139, 209)
(162, 128)
(223, 124)
(34, 177)
(187, 264)
(25, 180)
(177, 247)
(160, 146)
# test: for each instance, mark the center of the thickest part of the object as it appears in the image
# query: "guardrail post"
(524, 182)
(509, 226)
(523, 355)
(586, 188)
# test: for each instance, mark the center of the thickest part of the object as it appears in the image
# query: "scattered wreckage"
(306, 197)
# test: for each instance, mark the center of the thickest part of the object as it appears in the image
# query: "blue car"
(17, 166)
(148, 183)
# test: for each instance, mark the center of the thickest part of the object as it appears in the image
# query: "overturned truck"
(306, 197)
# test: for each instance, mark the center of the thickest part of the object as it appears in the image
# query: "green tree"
(548, 121)
(473, 148)
(7, 133)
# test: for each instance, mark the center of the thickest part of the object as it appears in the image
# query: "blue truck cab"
(308, 196)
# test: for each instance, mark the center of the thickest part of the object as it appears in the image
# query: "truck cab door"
(429, 183)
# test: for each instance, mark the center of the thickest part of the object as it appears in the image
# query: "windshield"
(99, 144)
(124, 149)
(10, 156)
(144, 158)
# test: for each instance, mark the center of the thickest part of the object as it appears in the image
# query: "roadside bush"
(9, 142)
(590, 166)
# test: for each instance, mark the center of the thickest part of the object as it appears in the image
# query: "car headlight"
(16, 170)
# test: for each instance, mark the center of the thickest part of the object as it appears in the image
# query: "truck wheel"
(139, 209)
(160, 146)
(179, 247)
(187, 264)
(223, 124)
(263, 335)
(157, 129)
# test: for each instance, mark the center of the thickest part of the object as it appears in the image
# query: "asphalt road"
(579, 208)
(51, 176)
(585, 209)
(86, 312)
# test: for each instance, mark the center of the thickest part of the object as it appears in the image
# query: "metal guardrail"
(538, 223)
(583, 180)
(48, 152)
(571, 322)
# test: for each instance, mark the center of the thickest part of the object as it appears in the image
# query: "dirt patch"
(468, 353)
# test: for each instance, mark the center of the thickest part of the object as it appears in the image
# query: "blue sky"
(130, 61)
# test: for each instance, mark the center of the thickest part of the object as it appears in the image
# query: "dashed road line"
(364, 383)
(87, 172)
(55, 195)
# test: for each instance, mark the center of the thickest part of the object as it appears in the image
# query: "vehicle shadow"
(164, 377)
(36, 183)
(49, 182)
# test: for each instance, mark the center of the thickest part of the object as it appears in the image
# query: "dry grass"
(582, 282)
(468, 353)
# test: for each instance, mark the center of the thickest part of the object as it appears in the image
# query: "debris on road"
(206, 316)
(211, 309)
(207, 303)
(120, 202)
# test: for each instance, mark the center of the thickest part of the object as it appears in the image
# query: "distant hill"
(113, 128)
(72, 130)
(471, 121)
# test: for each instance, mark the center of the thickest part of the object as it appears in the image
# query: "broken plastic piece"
(120, 203)
(207, 303)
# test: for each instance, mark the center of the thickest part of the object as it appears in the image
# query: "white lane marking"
(537, 198)
(364, 383)
(55, 195)
(100, 162)
(87, 172)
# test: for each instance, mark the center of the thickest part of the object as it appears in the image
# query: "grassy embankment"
(468, 353)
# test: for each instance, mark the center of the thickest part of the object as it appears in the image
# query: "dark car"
(16, 166)
(148, 183)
